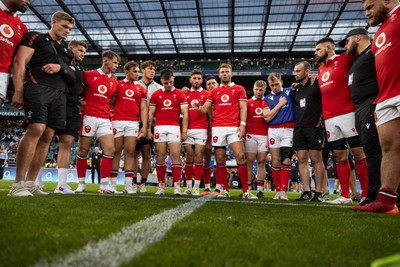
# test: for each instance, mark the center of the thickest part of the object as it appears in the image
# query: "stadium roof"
(202, 28)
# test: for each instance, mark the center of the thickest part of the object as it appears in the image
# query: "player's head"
(78, 48)
(110, 61)
(131, 69)
(148, 69)
(211, 83)
(225, 73)
(259, 89)
(167, 79)
(377, 10)
(353, 39)
(96, 149)
(17, 5)
(275, 82)
(302, 71)
(324, 49)
(196, 78)
(61, 25)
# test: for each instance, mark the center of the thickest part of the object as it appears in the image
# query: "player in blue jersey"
(280, 113)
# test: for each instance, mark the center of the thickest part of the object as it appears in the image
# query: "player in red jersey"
(130, 103)
(211, 84)
(197, 134)
(338, 112)
(257, 136)
(387, 113)
(229, 102)
(100, 86)
(12, 30)
(166, 104)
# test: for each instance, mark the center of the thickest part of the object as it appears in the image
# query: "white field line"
(123, 246)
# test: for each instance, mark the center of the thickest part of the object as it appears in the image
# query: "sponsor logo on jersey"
(326, 76)
(167, 103)
(194, 102)
(258, 111)
(102, 89)
(6, 31)
(225, 98)
(129, 93)
(380, 40)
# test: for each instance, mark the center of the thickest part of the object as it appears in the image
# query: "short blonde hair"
(273, 76)
(225, 65)
(61, 15)
(260, 83)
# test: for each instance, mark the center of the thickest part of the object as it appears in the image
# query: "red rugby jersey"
(387, 60)
(12, 29)
(197, 120)
(226, 105)
(333, 83)
(168, 106)
(255, 120)
(99, 89)
(127, 103)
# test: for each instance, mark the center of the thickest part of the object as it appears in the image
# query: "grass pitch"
(222, 232)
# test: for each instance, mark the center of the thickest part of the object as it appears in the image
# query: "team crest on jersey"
(167, 103)
(271, 97)
(102, 89)
(225, 98)
(326, 76)
(272, 141)
(129, 93)
(258, 111)
(6, 31)
(215, 139)
(88, 128)
(381, 40)
(156, 135)
(114, 131)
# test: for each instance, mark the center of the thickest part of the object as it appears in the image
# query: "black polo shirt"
(309, 105)
(362, 79)
(74, 90)
(45, 54)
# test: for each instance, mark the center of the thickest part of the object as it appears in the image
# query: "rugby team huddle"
(353, 103)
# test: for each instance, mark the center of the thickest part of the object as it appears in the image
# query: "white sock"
(207, 186)
(196, 184)
(260, 188)
(62, 176)
(189, 184)
(128, 181)
(113, 180)
(177, 185)
(39, 181)
(81, 180)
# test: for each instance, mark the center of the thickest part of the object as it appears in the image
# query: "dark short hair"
(325, 40)
(196, 72)
(166, 74)
(74, 43)
(148, 63)
(130, 64)
(306, 65)
(210, 78)
(110, 55)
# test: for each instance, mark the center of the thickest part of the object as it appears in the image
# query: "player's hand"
(51, 68)
(242, 132)
(185, 89)
(282, 101)
(18, 100)
(149, 135)
(294, 86)
(184, 136)
(196, 104)
(142, 134)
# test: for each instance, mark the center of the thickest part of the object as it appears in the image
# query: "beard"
(353, 49)
(323, 58)
(379, 17)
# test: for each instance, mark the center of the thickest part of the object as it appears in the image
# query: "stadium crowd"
(351, 106)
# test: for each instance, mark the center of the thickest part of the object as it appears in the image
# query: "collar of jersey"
(393, 10)
(192, 90)
(332, 58)
(126, 81)
(254, 98)
(173, 88)
(99, 70)
(230, 85)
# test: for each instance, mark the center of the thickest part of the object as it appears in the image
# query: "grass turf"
(223, 232)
